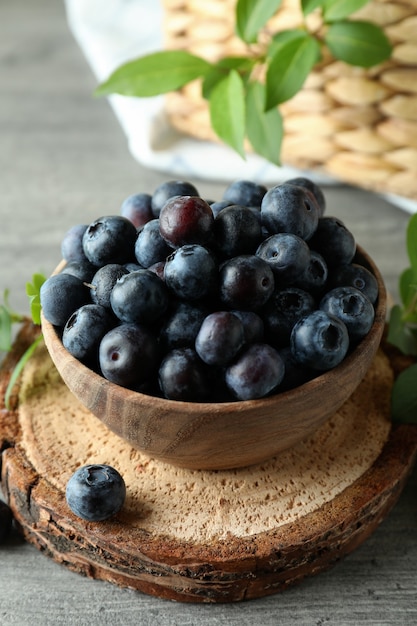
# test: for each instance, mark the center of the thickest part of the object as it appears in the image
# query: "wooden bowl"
(220, 435)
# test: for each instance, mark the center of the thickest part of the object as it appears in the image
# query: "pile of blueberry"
(203, 301)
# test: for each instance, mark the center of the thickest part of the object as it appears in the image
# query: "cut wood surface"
(203, 536)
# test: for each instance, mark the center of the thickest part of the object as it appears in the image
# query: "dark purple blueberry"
(72, 244)
(358, 276)
(60, 296)
(308, 184)
(6, 520)
(138, 209)
(333, 241)
(168, 190)
(103, 282)
(290, 209)
(295, 373)
(220, 338)
(109, 239)
(191, 272)
(256, 373)
(282, 311)
(319, 341)
(186, 220)
(133, 267)
(128, 355)
(245, 192)
(216, 207)
(182, 326)
(183, 376)
(85, 329)
(237, 230)
(246, 282)
(84, 270)
(352, 307)
(139, 297)
(253, 326)
(287, 255)
(150, 246)
(95, 492)
(314, 278)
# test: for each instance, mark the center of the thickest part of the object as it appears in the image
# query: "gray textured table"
(64, 160)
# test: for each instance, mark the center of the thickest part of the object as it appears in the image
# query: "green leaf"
(339, 9)
(18, 369)
(5, 329)
(221, 69)
(252, 15)
(404, 397)
(227, 111)
(358, 43)
(308, 6)
(33, 292)
(400, 334)
(154, 74)
(289, 68)
(264, 129)
(407, 285)
(411, 239)
(281, 38)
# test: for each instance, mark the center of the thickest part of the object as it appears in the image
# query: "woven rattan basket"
(357, 125)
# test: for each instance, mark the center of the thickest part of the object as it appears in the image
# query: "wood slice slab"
(201, 536)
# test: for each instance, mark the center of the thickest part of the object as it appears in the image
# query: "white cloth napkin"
(112, 32)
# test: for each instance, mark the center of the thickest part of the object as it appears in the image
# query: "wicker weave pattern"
(357, 125)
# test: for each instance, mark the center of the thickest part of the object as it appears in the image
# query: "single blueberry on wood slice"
(60, 296)
(186, 220)
(150, 246)
(168, 190)
(95, 492)
(352, 307)
(319, 341)
(137, 208)
(109, 239)
(6, 520)
(290, 209)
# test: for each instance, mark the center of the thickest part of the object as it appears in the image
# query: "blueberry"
(186, 220)
(72, 244)
(103, 281)
(358, 276)
(150, 247)
(317, 192)
(137, 208)
(60, 296)
(333, 241)
(168, 190)
(85, 329)
(128, 355)
(237, 230)
(287, 255)
(246, 282)
(183, 376)
(84, 270)
(139, 297)
(109, 239)
(352, 307)
(6, 520)
(245, 192)
(255, 373)
(216, 207)
(281, 312)
(182, 326)
(253, 326)
(290, 209)
(191, 272)
(295, 373)
(95, 492)
(319, 341)
(220, 338)
(315, 275)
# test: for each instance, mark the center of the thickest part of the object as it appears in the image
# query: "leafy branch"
(8, 318)
(402, 333)
(242, 105)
